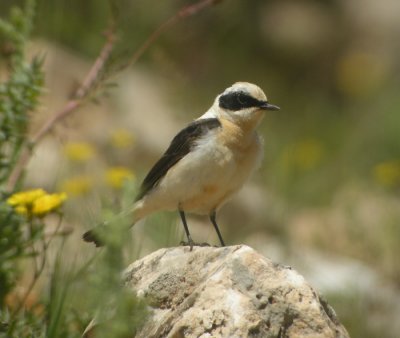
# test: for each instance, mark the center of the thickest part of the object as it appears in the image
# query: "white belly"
(205, 178)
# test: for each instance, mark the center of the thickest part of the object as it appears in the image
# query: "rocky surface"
(227, 292)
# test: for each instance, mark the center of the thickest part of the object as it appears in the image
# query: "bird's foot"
(192, 244)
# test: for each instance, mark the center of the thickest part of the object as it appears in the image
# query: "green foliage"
(22, 235)
(12, 247)
(19, 96)
(28, 324)
(119, 312)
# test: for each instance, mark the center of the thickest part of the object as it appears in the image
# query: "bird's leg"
(213, 216)
(190, 240)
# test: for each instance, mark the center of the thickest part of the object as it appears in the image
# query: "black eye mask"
(238, 100)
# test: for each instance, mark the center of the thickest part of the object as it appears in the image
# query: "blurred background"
(327, 198)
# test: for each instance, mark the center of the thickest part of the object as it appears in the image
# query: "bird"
(207, 162)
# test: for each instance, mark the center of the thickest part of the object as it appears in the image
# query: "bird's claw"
(192, 244)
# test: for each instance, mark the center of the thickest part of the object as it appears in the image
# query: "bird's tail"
(97, 234)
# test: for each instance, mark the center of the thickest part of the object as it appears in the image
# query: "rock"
(227, 292)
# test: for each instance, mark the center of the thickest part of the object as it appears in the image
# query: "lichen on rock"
(227, 292)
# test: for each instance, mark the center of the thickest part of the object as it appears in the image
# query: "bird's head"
(243, 103)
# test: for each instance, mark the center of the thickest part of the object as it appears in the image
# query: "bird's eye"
(241, 99)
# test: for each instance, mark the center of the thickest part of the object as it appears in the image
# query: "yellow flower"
(79, 151)
(36, 202)
(387, 173)
(122, 138)
(21, 209)
(48, 203)
(116, 176)
(77, 185)
(25, 198)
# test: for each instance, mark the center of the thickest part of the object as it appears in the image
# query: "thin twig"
(90, 79)
(72, 105)
(81, 92)
(38, 269)
(182, 13)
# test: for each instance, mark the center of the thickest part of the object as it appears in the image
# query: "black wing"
(180, 146)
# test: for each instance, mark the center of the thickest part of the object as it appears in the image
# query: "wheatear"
(206, 162)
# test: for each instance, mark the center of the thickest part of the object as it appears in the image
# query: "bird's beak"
(268, 106)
